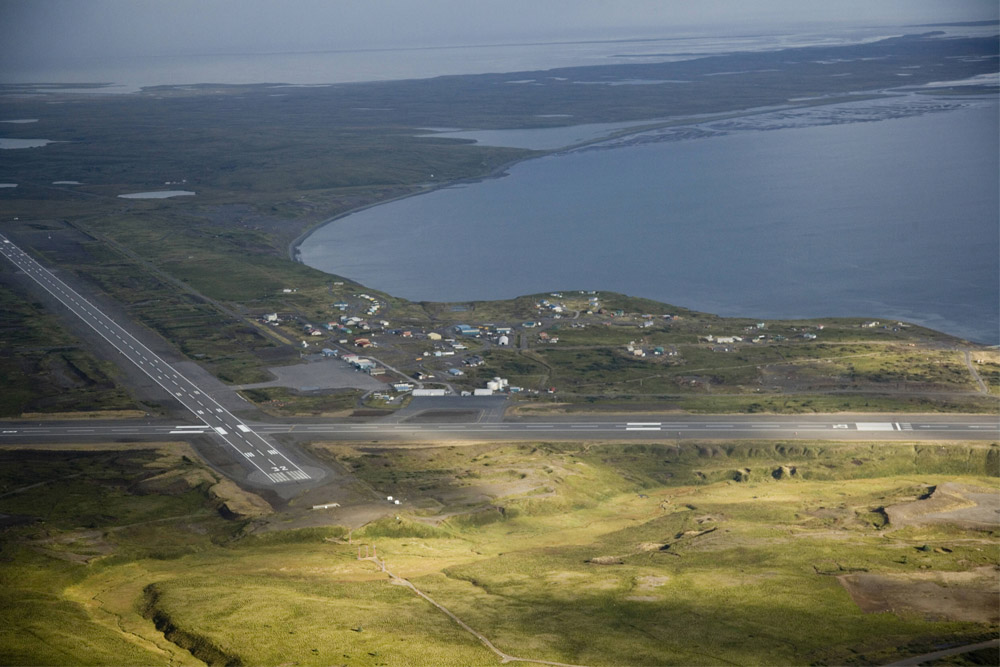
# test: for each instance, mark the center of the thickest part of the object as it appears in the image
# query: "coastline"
(639, 129)
(498, 172)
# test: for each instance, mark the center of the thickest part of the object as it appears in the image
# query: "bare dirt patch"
(650, 582)
(81, 546)
(938, 596)
(237, 503)
(962, 505)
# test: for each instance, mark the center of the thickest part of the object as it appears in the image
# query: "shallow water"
(159, 194)
(14, 144)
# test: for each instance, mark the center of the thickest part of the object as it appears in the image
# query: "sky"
(33, 31)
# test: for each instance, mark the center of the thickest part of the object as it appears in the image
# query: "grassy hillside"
(698, 553)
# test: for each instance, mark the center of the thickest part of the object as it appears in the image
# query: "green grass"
(122, 571)
(44, 368)
(71, 507)
(285, 402)
(820, 403)
(226, 346)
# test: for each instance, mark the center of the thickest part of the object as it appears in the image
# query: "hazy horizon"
(36, 32)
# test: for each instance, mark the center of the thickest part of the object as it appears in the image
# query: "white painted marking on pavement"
(874, 426)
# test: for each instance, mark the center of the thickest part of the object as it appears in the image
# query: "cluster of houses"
(658, 351)
(498, 334)
(374, 304)
(874, 324)
(555, 309)
(349, 324)
(725, 343)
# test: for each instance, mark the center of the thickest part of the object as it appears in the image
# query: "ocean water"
(309, 68)
(855, 211)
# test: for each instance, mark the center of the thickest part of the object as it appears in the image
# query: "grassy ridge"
(602, 554)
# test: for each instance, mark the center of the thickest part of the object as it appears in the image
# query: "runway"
(261, 454)
(818, 427)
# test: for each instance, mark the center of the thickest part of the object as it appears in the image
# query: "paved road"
(259, 452)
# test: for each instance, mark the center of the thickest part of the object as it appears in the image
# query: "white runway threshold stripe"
(643, 426)
(875, 426)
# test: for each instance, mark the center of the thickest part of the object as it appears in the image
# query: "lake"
(868, 210)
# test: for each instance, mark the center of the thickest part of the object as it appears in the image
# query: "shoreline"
(294, 252)
(497, 172)
(641, 127)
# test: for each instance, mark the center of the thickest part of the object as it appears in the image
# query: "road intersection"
(259, 452)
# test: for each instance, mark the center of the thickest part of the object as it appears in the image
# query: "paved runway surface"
(823, 427)
(261, 453)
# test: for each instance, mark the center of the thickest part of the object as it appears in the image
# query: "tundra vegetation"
(268, 164)
(599, 554)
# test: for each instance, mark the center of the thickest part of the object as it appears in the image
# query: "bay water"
(891, 216)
